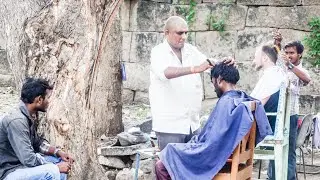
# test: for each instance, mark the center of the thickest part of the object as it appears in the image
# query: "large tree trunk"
(77, 46)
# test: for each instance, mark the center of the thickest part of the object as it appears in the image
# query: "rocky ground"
(139, 115)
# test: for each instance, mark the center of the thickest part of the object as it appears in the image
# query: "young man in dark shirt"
(24, 154)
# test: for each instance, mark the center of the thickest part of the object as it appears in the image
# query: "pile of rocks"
(118, 156)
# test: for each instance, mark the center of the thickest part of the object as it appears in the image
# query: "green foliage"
(312, 41)
(188, 12)
(218, 23)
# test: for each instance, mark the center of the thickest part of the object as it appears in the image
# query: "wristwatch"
(290, 65)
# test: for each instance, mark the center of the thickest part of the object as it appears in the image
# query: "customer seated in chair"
(205, 154)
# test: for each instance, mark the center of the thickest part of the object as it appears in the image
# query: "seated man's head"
(35, 94)
(265, 56)
(224, 78)
(175, 30)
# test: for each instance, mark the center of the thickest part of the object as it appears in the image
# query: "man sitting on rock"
(21, 149)
(205, 154)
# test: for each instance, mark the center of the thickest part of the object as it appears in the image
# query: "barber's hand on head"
(64, 167)
(204, 66)
(65, 157)
(229, 61)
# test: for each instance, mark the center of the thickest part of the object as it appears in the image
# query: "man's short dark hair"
(34, 87)
(297, 44)
(229, 73)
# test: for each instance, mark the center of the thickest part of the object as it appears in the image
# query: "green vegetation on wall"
(188, 12)
(312, 41)
(217, 23)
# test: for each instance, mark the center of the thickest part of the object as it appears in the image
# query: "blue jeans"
(56, 160)
(48, 171)
(292, 151)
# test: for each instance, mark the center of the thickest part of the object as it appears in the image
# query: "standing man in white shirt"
(175, 91)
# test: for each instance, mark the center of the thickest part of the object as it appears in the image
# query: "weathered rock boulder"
(111, 162)
(147, 165)
(111, 175)
(129, 174)
(122, 150)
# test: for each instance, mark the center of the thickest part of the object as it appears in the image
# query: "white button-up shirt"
(269, 83)
(175, 103)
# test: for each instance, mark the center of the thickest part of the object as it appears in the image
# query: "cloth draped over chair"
(204, 155)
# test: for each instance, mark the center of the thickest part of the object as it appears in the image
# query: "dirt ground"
(136, 114)
(309, 168)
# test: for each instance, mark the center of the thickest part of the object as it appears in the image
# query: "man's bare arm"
(174, 72)
(301, 75)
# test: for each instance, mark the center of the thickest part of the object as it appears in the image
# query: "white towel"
(269, 83)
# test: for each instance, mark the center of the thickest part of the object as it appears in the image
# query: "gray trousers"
(166, 138)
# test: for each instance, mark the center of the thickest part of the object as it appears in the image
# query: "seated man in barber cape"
(205, 154)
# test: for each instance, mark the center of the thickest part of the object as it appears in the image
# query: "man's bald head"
(175, 31)
(174, 22)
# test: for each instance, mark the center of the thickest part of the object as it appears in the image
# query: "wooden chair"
(240, 164)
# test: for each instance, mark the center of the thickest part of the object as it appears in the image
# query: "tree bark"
(77, 46)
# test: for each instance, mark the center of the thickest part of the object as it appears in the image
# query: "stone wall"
(249, 23)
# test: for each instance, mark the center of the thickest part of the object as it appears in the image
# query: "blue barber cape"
(205, 154)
